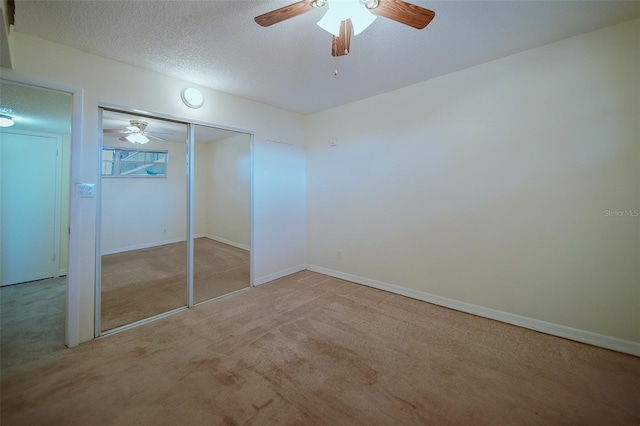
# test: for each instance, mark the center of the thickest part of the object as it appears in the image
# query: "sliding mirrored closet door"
(143, 234)
(222, 211)
(173, 232)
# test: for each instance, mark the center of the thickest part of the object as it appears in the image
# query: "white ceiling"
(217, 44)
(36, 109)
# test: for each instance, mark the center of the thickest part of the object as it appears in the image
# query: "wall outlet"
(339, 255)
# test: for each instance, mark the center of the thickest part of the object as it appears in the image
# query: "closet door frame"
(190, 123)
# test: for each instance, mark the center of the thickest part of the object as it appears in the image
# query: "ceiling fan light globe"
(341, 10)
(6, 121)
(141, 139)
(330, 22)
(362, 21)
(137, 138)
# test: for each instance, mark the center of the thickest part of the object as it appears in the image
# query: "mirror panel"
(222, 209)
(143, 247)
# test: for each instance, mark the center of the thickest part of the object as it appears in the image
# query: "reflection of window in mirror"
(120, 162)
(143, 219)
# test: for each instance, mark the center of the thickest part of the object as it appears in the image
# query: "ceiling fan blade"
(155, 137)
(284, 13)
(341, 45)
(115, 131)
(405, 13)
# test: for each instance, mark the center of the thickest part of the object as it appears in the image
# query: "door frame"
(191, 123)
(72, 323)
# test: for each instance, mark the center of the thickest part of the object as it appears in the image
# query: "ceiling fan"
(135, 133)
(345, 17)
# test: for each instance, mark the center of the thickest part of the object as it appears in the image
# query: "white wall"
(229, 190)
(491, 185)
(279, 170)
(222, 208)
(202, 154)
(145, 212)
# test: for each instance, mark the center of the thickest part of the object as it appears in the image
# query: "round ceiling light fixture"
(5, 119)
(192, 97)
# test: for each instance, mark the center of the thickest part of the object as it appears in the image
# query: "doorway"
(35, 155)
(175, 216)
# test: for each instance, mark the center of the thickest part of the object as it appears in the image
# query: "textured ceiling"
(217, 44)
(37, 110)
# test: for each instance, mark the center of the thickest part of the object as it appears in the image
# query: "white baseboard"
(227, 242)
(142, 246)
(279, 274)
(174, 240)
(600, 340)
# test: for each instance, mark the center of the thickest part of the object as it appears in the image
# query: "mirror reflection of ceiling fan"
(135, 133)
(345, 17)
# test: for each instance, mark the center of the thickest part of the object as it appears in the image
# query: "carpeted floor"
(32, 321)
(142, 283)
(309, 349)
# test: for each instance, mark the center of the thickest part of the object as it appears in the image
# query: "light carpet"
(309, 349)
(139, 284)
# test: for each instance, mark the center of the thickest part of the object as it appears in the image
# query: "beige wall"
(279, 189)
(495, 186)
(223, 190)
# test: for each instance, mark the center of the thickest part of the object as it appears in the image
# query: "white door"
(29, 206)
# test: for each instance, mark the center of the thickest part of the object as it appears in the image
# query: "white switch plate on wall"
(85, 190)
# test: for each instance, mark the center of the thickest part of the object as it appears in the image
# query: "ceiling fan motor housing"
(141, 125)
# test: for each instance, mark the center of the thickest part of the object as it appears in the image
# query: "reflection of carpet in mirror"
(142, 283)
